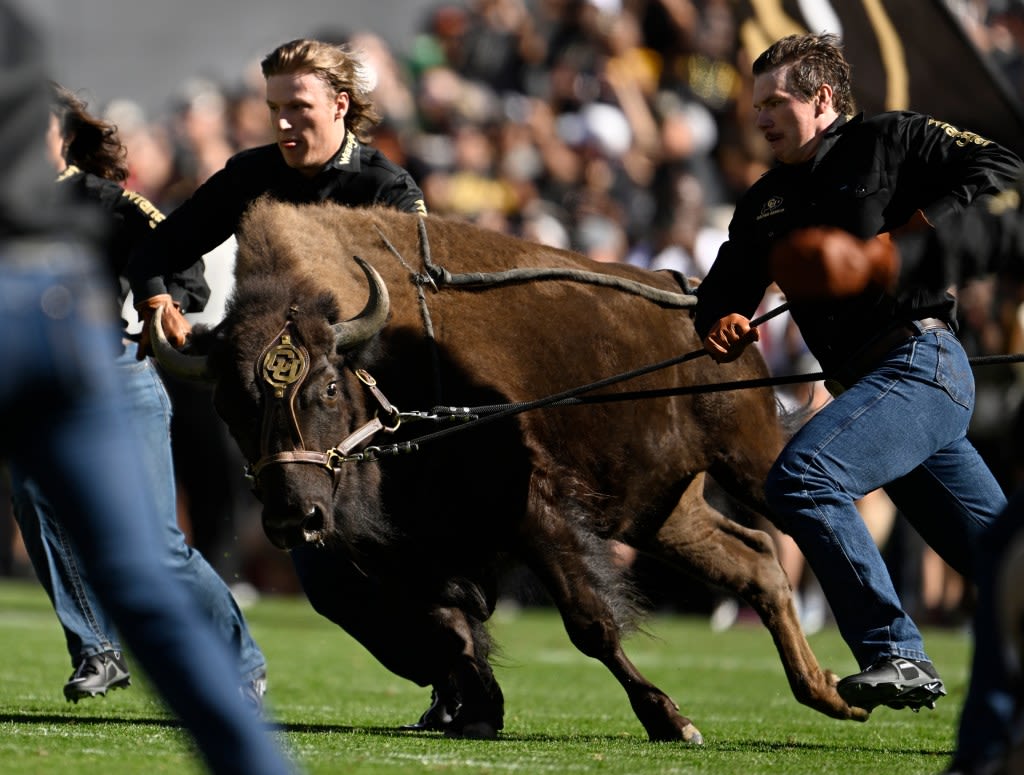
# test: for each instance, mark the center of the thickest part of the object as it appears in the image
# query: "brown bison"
(402, 550)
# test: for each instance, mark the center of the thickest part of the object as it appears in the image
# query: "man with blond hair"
(321, 114)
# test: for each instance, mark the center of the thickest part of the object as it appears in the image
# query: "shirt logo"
(960, 137)
(345, 157)
(772, 207)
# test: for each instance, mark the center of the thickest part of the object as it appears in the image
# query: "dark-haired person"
(821, 223)
(89, 165)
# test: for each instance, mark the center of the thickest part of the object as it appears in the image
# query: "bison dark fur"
(403, 551)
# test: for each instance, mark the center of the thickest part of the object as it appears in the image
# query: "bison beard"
(411, 543)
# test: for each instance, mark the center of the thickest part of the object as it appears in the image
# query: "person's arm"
(200, 224)
(950, 169)
(735, 283)
(137, 217)
(944, 172)
(728, 297)
(987, 239)
(29, 202)
(195, 228)
(951, 237)
(189, 288)
(947, 175)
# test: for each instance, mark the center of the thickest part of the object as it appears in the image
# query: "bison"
(346, 323)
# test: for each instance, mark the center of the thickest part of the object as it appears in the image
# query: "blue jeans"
(87, 627)
(985, 733)
(62, 423)
(902, 427)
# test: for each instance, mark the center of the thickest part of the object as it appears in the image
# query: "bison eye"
(332, 390)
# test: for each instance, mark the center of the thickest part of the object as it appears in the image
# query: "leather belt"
(864, 361)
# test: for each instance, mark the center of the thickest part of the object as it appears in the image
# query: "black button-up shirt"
(356, 176)
(869, 175)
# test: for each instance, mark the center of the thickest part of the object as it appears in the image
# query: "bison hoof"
(475, 730)
(859, 714)
(685, 732)
(436, 718)
(835, 706)
(692, 735)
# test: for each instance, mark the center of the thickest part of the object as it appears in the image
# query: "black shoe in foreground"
(96, 674)
(895, 682)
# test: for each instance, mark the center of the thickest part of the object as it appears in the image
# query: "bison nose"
(306, 526)
(314, 525)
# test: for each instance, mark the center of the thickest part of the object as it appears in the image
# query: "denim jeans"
(902, 427)
(87, 627)
(62, 424)
(986, 719)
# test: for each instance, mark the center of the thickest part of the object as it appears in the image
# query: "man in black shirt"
(903, 387)
(321, 110)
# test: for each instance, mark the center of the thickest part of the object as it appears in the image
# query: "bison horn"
(371, 319)
(190, 367)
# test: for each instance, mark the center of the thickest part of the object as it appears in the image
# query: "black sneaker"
(895, 682)
(96, 674)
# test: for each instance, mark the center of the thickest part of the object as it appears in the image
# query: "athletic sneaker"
(895, 682)
(96, 674)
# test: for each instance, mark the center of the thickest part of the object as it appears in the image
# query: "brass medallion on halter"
(283, 364)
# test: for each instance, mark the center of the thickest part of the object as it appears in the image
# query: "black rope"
(993, 360)
(439, 276)
(478, 415)
(608, 398)
(474, 418)
(707, 387)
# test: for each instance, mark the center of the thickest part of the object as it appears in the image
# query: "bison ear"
(369, 322)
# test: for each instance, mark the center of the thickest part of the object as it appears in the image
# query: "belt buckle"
(930, 324)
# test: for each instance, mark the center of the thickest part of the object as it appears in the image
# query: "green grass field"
(337, 709)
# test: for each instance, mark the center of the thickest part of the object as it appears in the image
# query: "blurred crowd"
(622, 129)
(617, 129)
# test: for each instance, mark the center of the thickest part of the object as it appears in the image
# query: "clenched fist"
(825, 262)
(729, 337)
(176, 327)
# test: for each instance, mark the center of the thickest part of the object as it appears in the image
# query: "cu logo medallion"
(283, 365)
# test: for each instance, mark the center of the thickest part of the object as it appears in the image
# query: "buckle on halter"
(395, 416)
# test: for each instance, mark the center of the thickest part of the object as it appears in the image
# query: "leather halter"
(281, 369)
